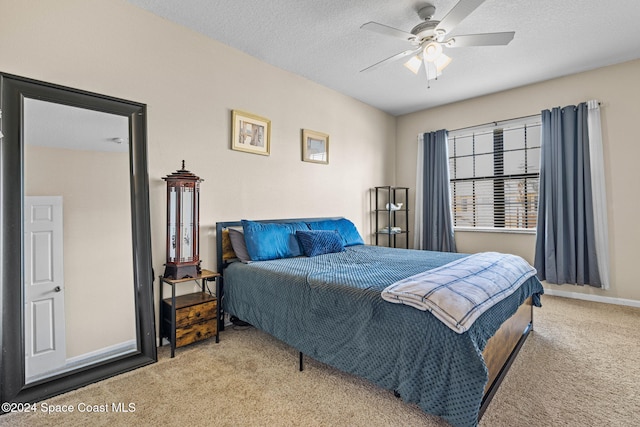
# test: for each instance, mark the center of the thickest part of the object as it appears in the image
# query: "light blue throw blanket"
(457, 293)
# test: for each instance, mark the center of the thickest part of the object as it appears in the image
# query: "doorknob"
(57, 289)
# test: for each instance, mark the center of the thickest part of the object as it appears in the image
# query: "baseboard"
(87, 359)
(594, 298)
(102, 353)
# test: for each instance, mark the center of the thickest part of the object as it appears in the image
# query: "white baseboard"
(102, 353)
(594, 298)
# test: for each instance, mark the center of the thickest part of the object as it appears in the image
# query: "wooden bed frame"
(499, 353)
(503, 347)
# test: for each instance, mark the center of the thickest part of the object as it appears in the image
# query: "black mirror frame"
(13, 90)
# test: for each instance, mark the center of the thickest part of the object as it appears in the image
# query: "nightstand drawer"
(195, 332)
(196, 313)
(191, 308)
(192, 317)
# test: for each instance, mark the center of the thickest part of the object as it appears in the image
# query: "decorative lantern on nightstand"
(183, 202)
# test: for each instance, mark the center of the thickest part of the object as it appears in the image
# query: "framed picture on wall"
(315, 147)
(250, 133)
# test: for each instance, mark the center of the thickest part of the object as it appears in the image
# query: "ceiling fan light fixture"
(432, 51)
(441, 62)
(414, 64)
(431, 71)
(429, 37)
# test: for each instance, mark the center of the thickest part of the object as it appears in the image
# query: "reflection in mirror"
(79, 299)
(76, 278)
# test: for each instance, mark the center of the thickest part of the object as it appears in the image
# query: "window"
(495, 175)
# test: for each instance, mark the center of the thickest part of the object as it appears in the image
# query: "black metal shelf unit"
(391, 222)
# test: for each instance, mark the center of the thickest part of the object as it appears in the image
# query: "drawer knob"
(197, 314)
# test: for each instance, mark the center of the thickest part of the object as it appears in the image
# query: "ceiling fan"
(428, 38)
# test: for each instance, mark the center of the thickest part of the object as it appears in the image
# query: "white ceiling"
(322, 41)
(47, 124)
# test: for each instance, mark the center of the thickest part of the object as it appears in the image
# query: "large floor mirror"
(76, 283)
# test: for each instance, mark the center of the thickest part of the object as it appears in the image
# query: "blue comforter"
(330, 308)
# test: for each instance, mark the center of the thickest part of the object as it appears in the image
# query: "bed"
(329, 307)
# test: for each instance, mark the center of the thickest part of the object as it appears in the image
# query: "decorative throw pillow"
(227, 249)
(272, 240)
(320, 242)
(347, 230)
(239, 246)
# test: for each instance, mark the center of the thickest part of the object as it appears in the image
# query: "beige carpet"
(580, 367)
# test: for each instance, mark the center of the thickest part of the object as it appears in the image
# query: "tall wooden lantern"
(183, 245)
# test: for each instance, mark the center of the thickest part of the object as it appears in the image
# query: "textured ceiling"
(321, 40)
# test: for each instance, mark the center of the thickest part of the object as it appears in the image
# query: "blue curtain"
(437, 224)
(565, 242)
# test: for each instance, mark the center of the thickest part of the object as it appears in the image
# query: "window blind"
(495, 175)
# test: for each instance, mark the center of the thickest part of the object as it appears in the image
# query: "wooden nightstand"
(192, 317)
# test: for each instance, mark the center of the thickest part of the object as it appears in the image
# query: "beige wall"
(190, 85)
(616, 87)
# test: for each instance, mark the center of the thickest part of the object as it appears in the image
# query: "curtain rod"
(500, 122)
(496, 123)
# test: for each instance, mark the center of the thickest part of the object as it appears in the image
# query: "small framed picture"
(250, 133)
(315, 147)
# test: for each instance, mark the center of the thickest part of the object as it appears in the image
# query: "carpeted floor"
(580, 367)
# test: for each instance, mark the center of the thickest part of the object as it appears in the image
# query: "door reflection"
(84, 311)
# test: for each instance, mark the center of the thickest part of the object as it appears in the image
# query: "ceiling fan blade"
(387, 31)
(392, 58)
(457, 14)
(488, 39)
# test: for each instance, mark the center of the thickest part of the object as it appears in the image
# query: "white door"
(44, 286)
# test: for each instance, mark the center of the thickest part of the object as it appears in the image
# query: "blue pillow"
(347, 230)
(319, 242)
(271, 240)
